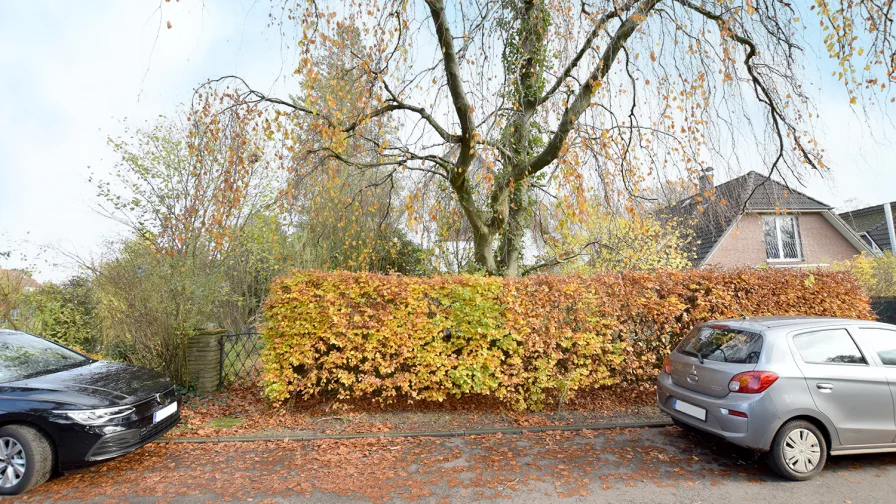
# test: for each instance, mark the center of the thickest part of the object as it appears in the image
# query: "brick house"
(754, 220)
(18, 279)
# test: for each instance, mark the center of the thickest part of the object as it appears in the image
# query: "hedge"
(523, 340)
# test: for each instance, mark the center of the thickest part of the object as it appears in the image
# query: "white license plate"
(164, 413)
(689, 409)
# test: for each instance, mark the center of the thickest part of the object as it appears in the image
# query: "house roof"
(871, 220)
(18, 278)
(760, 193)
(712, 215)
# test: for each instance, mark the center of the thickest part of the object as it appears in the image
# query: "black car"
(60, 410)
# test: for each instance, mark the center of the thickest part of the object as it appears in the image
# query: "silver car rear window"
(722, 344)
(831, 346)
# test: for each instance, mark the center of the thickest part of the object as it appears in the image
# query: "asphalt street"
(626, 465)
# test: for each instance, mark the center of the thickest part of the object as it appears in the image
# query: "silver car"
(799, 388)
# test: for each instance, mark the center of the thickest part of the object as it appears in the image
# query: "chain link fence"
(240, 357)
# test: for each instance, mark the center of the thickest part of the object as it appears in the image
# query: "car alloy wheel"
(801, 451)
(12, 462)
(26, 459)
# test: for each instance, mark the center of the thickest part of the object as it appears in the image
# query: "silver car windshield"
(722, 344)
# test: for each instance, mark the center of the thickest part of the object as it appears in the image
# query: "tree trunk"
(510, 250)
(482, 252)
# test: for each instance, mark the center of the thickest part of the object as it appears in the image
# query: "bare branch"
(586, 46)
(455, 82)
(583, 98)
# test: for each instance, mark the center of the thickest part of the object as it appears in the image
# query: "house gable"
(821, 242)
(725, 234)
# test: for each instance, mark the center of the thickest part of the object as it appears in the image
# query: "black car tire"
(776, 456)
(38, 457)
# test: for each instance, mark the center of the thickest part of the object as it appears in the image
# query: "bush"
(65, 313)
(876, 274)
(149, 304)
(357, 335)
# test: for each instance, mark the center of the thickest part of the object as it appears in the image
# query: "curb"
(436, 434)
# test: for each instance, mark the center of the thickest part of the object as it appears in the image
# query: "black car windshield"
(24, 356)
(722, 344)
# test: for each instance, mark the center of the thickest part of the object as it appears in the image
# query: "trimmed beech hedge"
(524, 340)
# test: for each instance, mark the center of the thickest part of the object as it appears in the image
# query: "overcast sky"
(71, 72)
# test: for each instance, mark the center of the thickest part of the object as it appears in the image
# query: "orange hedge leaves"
(356, 335)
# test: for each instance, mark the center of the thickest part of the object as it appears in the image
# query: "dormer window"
(782, 238)
(870, 242)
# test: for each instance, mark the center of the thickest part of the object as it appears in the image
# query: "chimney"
(706, 180)
(888, 213)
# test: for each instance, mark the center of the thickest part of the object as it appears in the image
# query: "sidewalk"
(242, 415)
(658, 420)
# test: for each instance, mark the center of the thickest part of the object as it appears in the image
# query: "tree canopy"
(518, 108)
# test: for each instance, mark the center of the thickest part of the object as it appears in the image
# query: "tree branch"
(396, 104)
(457, 176)
(455, 83)
(586, 46)
(763, 94)
(557, 260)
(583, 98)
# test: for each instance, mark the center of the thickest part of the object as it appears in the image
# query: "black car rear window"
(24, 356)
(722, 344)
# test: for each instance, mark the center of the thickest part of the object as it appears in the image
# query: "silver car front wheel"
(798, 451)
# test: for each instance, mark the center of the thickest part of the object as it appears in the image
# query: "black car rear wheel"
(26, 459)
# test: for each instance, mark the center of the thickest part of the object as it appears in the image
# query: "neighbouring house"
(871, 225)
(13, 283)
(18, 279)
(754, 220)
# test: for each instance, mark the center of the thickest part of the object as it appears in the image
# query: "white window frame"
(796, 234)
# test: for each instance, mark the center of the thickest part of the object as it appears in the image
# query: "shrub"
(64, 313)
(356, 335)
(876, 274)
(148, 305)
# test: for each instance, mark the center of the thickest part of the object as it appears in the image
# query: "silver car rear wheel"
(801, 451)
(798, 451)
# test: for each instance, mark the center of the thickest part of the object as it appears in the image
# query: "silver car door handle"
(824, 387)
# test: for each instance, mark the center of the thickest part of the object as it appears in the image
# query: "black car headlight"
(97, 416)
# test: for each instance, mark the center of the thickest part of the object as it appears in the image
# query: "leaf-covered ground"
(241, 411)
(623, 465)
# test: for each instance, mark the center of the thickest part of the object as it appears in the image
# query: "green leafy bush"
(65, 313)
(149, 304)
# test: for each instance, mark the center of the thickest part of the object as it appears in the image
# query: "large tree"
(513, 105)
